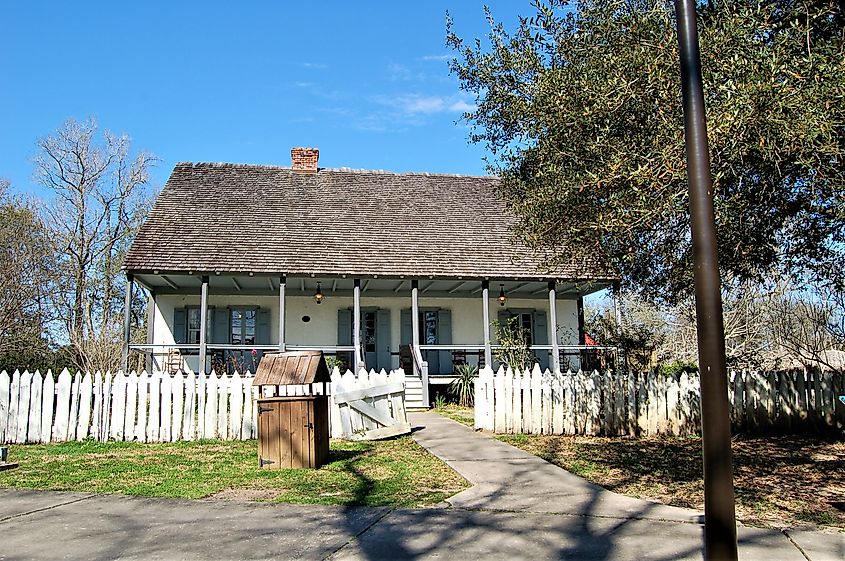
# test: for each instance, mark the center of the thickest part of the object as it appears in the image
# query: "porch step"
(413, 393)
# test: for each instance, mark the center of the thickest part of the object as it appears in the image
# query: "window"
(428, 327)
(369, 332)
(525, 322)
(193, 321)
(242, 326)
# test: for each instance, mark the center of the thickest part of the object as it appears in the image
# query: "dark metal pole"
(719, 512)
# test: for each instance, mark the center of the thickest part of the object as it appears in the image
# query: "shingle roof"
(262, 219)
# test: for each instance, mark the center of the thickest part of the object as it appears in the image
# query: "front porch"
(226, 321)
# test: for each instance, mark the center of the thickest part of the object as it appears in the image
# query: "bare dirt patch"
(780, 481)
(246, 495)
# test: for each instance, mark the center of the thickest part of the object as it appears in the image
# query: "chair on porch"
(406, 359)
(174, 361)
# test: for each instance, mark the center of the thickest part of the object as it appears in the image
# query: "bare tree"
(100, 201)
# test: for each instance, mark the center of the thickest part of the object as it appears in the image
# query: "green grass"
(395, 472)
(464, 415)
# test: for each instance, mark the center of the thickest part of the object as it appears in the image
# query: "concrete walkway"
(520, 508)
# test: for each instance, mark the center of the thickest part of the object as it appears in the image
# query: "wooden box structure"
(293, 431)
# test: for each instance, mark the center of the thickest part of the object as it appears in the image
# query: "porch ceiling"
(176, 283)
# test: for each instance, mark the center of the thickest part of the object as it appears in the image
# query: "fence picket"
(166, 409)
(35, 403)
(177, 391)
(23, 406)
(210, 423)
(83, 420)
(131, 407)
(189, 407)
(62, 407)
(74, 406)
(546, 393)
(143, 406)
(118, 406)
(499, 399)
(5, 383)
(236, 406)
(222, 407)
(154, 419)
(14, 403)
(48, 398)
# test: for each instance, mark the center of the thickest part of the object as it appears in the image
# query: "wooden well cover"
(296, 367)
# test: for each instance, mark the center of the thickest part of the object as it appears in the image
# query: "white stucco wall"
(322, 329)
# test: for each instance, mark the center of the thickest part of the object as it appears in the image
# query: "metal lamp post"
(719, 511)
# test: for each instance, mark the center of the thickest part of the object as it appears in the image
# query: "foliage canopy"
(581, 109)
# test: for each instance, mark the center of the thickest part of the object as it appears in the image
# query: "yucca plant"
(463, 386)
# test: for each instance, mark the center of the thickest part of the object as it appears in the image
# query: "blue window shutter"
(220, 326)
(540, 336)
(405, 327)
(262, 327)
(344, 327)
(383, 339)
(180, 326)
(444, 337)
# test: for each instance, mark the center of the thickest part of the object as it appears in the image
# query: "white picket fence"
(157, 407)
(595, 403)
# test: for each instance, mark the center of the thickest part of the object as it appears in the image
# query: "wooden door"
(286, 434)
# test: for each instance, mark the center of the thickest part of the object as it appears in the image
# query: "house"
(242, 259)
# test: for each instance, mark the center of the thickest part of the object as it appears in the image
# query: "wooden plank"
(62, 406)
(202, 395)
(14, 405)
(48, 398)
(209, 423)
(801, 392)
(280, 444)
(97, 411)
(619, 415)
(131, 407)
(108, 380)
(24, 395)
(370, 412)
(154, 420)
(143, 406)
(248, 426)
(536, 400)
(605, 389)
(74, 406)
(118, 406)
(370, 392)
(222, 407)
(83, 423)
(5, 383)
(34, 423)
(515, 421)
(672, 402)
(547, 400)
(569, 420)
(499, 403)
(166, 409)
(189, 405)
(236, 405)
(177, 390)
(298, 420)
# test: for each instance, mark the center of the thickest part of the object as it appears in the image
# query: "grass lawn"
(395, 472)
(779, 481)
(464, 415)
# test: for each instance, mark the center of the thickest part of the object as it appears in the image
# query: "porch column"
(151, 321)
(203, 320)
(415, 313)
(553, 325)
(485, 312)
(415, 337)
(282, 285)
(127, 318)
(356, 323)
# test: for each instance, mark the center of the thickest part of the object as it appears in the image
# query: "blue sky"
(365, 82)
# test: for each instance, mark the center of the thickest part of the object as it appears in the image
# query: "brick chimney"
(304, 160)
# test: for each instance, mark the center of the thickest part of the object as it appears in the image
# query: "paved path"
(520, 508)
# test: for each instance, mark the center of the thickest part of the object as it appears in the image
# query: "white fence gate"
(537, 402)
(157, 407)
